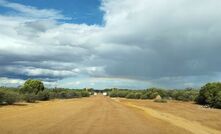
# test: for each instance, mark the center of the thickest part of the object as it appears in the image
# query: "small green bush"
(113, 94)
(53, 95)
(68, 94)
(85, 94)
(184, 95)
(43, 95)
(144, 96)
(153, 95)
(122, 93)
(131, 96)
(30, 98)
(210, 94)
(73, 94)
(62, 95)
(217, 103)
(2, 96)
(9, 97)
(137, 95)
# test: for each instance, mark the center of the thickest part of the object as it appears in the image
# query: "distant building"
(105, 93)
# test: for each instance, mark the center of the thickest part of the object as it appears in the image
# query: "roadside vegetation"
(9, 96)
(208, 95)
(152, 93)
(34, 90)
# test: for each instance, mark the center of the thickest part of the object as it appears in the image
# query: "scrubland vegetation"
(209, 95)
(173, 116)
(152, 93)
(34, 90)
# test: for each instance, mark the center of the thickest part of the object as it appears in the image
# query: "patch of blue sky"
(80, 11)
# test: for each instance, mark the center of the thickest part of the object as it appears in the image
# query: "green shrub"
(32, 87)
(113, 94)
(85, 94)
(131, 96)
(62, 95)
(52, 95)
(144, 96)
(9, 97)
(152, 93)
(183, 95)
(2, 96)
(210, 94)
(68, 94)
(79, 95)
(30, 98)
(74, 94)
(43, 95)
(122, 93)
(217, 103)
(137, 95)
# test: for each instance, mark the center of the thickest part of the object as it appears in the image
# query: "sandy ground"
(185, 110)
(102, 115)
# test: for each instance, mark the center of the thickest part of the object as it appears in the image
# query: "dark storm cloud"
(179, 39)
(162, 42)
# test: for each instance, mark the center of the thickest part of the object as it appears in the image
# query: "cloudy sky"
(110, 43)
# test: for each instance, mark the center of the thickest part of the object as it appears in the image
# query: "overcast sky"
(111, 43)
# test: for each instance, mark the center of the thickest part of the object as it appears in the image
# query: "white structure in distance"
(105, 93)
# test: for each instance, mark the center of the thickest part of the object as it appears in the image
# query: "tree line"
(34, 90)
(209, 94)
(151, 93)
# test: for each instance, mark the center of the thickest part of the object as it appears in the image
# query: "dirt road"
(94, 115)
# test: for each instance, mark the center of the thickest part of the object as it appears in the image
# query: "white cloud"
(32, 12)
(4, 81)
(166, 43)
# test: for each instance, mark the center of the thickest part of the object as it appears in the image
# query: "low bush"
(144, 96)
(12, 95)
(210, 94)
(2, 96)
(131, 95)
(52, 95)
(62, 95)
(113, 94)
(217, 103)
(83, 94)
(184, 95)
(138, 95)
(68, 94)
(43, 95)
(9, 97)
(122, 93)
(152, 93)
(30, 98)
